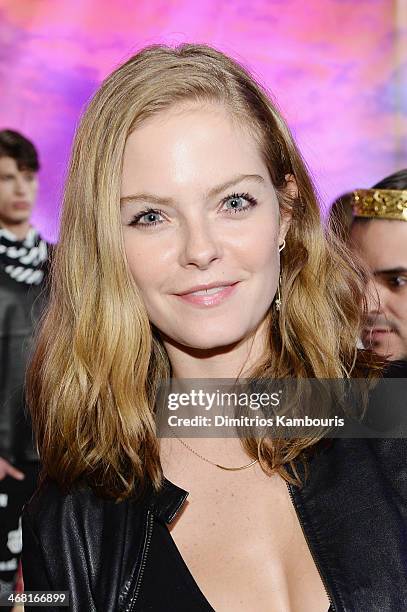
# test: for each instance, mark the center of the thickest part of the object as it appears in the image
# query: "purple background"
(337, 68)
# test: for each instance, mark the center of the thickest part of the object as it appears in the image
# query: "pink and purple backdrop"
(336, 67)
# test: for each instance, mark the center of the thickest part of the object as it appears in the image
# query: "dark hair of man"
(19, 148)
(398, 180)
(340, 216)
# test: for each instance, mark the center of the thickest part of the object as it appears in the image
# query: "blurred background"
(337, 68)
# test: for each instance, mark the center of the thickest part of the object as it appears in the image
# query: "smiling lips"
(208, 295)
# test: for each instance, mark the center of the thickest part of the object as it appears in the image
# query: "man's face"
(18, 190)
(382, 244)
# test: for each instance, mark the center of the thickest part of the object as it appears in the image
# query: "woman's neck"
(233, 361)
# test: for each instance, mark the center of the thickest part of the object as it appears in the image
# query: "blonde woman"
(191, 247)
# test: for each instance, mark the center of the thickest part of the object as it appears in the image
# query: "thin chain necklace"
(222, 467)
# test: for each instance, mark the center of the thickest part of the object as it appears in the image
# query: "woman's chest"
(245, 549)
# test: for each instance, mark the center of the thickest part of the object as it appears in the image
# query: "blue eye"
(147, 218)
(239, 202)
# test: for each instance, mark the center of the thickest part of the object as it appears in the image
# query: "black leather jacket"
(352, 508)
(20, 308)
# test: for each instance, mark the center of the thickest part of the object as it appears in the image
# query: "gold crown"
(380, 203)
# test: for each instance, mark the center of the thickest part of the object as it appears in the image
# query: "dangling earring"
(278, 300)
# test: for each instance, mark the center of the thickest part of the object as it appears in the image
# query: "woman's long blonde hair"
(97, 363)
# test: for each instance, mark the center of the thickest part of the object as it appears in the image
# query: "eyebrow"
(215, 191)
(389, 272)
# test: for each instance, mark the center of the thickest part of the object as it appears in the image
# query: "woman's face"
(201, 226)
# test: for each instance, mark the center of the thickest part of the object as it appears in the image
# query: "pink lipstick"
(208, 295)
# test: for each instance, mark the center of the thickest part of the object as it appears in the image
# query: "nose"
(201, 246)
(372, 297)
(376, 296)
(20, 185)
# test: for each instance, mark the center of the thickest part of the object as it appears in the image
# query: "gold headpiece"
(380, 203)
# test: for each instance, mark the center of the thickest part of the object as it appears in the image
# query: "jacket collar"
(166, 502)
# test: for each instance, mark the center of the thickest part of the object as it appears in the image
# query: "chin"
(215, 342)
(20, 219)
(389, 353)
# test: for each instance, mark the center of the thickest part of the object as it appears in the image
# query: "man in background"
(23, 272)
(378, 234)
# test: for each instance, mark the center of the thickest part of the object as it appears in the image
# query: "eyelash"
(156, 211)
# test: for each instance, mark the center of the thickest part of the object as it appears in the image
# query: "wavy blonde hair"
(92, 380)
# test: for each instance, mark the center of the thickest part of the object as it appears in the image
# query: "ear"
(291, 191)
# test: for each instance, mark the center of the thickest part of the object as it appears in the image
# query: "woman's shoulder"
(353, 502)
(79, 542)
(388, 456)
(52, 508)
(359, 469)
(383, 454)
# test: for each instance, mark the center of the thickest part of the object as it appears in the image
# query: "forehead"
(8, 164)
(193, 145)
(382, 243)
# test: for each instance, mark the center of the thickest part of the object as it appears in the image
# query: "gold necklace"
(222, 467)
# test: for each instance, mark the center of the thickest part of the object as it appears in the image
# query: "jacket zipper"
(146, 546)
(317, 565)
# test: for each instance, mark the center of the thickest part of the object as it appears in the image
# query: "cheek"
(400, 308)
(6, 192)
(146, 265)
(260, 251)
(134, 259)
